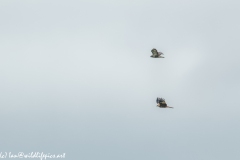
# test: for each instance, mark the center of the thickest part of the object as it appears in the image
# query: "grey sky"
(77, 77)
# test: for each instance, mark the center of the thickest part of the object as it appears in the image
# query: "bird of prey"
(156, 54)
(161, 103)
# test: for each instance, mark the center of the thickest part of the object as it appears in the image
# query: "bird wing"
(169, 107)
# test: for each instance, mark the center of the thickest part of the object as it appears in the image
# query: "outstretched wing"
(169, 107)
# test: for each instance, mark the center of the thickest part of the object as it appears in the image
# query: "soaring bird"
(156, 54)
(161, 103)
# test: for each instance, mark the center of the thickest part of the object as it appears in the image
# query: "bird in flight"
(156, 54)
(161, 103)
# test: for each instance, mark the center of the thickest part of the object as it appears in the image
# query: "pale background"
(76, 77)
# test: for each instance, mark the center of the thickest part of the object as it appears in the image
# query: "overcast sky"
(76, 77)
